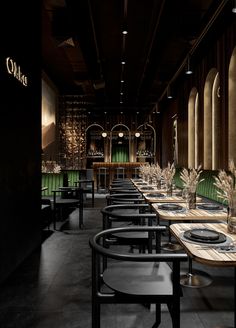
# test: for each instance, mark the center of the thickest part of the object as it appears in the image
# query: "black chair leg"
(175, 313)
(158, 316)
(96, 307)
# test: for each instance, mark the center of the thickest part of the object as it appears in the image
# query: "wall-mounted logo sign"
(15, 70)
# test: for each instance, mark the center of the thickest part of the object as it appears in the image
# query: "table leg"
(170, 246)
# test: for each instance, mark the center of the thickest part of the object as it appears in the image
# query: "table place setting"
(188, 214)
(147, 188)
(170, 207)
(208, 238)
(219, 250)
(155, 195)
(210, 207)
(141, 184)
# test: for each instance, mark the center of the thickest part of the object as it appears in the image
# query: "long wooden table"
(187, 215)
(207, 255)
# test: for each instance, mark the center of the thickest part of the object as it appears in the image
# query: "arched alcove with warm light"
(120, 143)
(209, 98)
(193, 128)
(232, 108)
(146, 143)
(94, 144)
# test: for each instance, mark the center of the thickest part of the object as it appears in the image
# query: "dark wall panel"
(20, 132)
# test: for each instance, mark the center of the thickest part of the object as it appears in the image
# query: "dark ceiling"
(83, 46)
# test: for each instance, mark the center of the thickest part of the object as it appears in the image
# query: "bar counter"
(130, 170)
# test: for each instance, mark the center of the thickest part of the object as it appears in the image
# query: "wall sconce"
(104, 134)
(188, 68)
(137, 134)
(120, 134)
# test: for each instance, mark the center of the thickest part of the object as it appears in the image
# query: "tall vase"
(231, 219)
(169, 189)
(158, 183)
(192, 200)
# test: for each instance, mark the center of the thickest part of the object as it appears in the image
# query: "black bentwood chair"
(124, 198)
(129, 214)
(135, 278)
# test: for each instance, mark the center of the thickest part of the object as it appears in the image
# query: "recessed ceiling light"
(121, 102)
(121, 93)
(123, 62)
(122, 81)
(124, 32)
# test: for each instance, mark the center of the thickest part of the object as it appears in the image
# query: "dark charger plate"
(170, 207)
(147, 188)
(205, 236)
(209, 207)
(155, 195)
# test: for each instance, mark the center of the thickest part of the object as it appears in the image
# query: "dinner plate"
(209, 207)
(147, 188)
(205, 236)
(155, 195)
(170, 207)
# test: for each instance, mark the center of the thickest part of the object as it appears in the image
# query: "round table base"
(223, 327)
(171, 247)
(197, 279)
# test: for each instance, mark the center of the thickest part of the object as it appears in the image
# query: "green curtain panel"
(120, 154)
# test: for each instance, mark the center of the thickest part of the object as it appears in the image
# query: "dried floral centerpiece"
(191, 179)
(168, 175)
(227, 191)
(50, 167)
(157, 173)
(145, 171)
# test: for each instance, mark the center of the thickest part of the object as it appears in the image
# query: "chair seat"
(136, 237)
(139, 278)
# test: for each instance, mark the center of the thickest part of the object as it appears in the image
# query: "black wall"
(20, 133)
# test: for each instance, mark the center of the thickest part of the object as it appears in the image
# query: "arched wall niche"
(216, 123)
(146, 126)
(95, 144)
(193, 128)
(120, 143)
(207, 116)
(232, 108)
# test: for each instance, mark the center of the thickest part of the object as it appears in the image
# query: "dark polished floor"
(52, 288)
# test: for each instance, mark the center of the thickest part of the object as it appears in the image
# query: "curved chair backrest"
(123, 190)
(125, 198)
(135, 278)
(136, 213)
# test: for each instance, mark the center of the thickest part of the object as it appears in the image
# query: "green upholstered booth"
(54, 180)
(206, 188)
